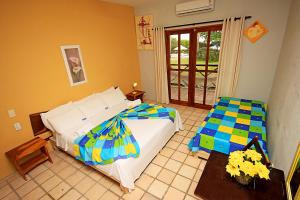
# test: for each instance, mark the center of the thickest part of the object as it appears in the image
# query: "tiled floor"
(173, 174)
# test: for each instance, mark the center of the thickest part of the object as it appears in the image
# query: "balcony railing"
(212, 68)
(186, 66)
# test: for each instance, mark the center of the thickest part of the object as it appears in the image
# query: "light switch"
(11, 113)
(17, 126)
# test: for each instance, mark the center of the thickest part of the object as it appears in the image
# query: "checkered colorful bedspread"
(230, 125)
(113, 140)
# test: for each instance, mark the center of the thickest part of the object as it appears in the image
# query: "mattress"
(151, 135)
(230, 125)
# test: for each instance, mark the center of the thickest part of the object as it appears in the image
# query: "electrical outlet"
(11, 113)
(17, 126)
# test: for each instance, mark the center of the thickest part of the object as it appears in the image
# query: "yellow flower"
(236, 158)
(233, 171)
(247, 162)
(235, 161)
(262, 170)
(248, 168)
(236, 154)
(253, 155)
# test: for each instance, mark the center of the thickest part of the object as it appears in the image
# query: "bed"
(150, 134)
(230, 125)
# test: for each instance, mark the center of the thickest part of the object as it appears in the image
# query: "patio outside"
(199, 87)
(183, 69)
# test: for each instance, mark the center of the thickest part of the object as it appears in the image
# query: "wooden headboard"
(37, 124)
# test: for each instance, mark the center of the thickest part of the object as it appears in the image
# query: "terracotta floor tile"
(173, 193)
(109, 196)
(51, 183)
(173, 165)
(160, 160)
(95, 192)
(136, 194)
(152, 170)
(59, 190)
(179, 156)
(158, 189)
(26, 188)
(36, 194)
(71, 195)
(167, 152)
(187, 171)
(85, 184)
(181, 183)
(166, 176)
(144, 181)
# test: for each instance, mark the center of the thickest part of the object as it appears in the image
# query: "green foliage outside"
(215, 40)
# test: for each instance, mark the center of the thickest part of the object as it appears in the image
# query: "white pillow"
(56, 111)
(84, 129)
(80, 101)
(71, 119)
(91, 105)
(113, 97)
(120, 93)
(111, 89)
(131, 104)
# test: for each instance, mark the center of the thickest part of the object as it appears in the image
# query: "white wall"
(284, 105)
(259, 60)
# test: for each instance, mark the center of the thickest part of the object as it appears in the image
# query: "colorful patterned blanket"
(230, 125)
(113, 140)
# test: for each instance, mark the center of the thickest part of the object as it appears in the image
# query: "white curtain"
(230, 55)
(161, 80)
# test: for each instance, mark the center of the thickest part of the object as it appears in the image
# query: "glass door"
(207, 61)
(178, 62)
(192, 65)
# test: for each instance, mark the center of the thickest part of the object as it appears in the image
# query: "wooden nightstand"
(28, 155)
(137, 94)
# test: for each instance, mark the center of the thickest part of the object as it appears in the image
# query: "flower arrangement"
(247, 163)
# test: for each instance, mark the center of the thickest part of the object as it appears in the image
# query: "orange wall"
(33, 75)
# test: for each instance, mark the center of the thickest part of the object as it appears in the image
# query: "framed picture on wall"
(144, 32)
(74, 64)
(255, 31)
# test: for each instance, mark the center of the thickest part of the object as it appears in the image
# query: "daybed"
(230, 125)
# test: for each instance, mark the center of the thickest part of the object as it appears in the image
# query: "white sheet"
(151, 135)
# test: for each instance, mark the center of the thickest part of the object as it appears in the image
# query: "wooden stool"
(28, 155)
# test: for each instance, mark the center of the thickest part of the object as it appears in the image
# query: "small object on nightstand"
(134, 85)
(134, 95)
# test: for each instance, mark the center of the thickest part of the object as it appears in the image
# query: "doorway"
(192, 65)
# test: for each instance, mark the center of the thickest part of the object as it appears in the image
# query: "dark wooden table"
(215, 183)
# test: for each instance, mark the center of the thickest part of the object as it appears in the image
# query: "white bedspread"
(151, 135)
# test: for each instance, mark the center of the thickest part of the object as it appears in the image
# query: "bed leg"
(124, 189)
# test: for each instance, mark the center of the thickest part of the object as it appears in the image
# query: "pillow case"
(112, 96)
(131, 104)
(109, 90)
(56, 111)
(68, 120)
(91, 105)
